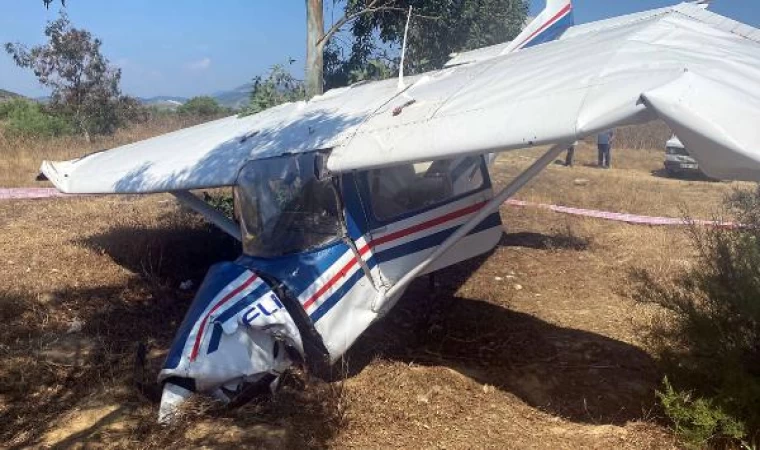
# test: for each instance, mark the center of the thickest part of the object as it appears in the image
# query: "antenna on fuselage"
(401, 84)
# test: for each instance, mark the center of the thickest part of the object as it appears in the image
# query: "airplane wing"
(697, 71)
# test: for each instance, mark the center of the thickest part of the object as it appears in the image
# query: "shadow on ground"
(574, 374)
(581, 376)
(540, 241)
(684, 176)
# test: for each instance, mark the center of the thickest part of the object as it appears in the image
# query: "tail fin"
(547, 26)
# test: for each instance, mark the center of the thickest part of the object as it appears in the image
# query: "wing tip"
(49, 172)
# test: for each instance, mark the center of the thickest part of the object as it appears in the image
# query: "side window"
(399, 190)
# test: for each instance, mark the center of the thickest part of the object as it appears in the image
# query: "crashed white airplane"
(345, 199)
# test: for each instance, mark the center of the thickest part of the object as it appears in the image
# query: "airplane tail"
(547, 26)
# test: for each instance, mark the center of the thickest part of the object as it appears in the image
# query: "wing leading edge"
(696, 70)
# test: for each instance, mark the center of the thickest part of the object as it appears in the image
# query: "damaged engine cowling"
(236, 331)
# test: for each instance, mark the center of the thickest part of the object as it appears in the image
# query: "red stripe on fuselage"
(341, 273)
(384, 240)
(425, 225)
(199, 338)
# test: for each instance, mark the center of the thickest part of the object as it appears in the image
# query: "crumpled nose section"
(233, 332)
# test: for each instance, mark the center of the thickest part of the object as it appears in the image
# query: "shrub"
(27, 118)
(223, 202)
(277, 88)
(201, 107)
(698, 420)
(710, 343)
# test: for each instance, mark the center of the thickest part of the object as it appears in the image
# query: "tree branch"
(370, 8)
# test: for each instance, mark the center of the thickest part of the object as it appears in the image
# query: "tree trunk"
(315, 30)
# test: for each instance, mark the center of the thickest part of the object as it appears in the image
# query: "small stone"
(423, 399)
(499, 279)
(581, 182)
(47, 297)
(518, 287)
(75, 326)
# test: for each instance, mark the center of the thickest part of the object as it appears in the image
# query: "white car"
(677, 159)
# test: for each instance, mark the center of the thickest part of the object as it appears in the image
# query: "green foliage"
(438, 28)
(85, 87)
(697, 420)
(711, 342)
(26, 118)
(202, 107)
(47, 3)
(223, 202)
(277, 88)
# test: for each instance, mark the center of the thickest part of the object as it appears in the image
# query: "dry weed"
(20, 157)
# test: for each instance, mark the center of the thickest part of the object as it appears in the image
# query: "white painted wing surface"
(211, 154)
(697, 71)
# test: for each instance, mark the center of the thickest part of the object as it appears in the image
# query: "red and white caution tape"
(30, 193)
(37, 193)
(623, 217)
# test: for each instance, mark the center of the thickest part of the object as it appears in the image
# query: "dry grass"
(20, 157)
(537, 345)
(636, 184)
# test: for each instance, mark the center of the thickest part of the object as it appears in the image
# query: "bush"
(277, 88)
(201, 107)
(27, 118)
(223, 202)
(698, 420)
(711, 342)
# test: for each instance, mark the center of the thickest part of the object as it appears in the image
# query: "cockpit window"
(401, 190)
(284, 208)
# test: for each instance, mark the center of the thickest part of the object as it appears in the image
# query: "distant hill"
(236, 98)
(8, 95)
(164, 102)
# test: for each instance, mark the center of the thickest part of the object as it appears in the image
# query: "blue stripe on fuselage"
(400, 251)
(492, 221)
(242, 304)
(218, 277)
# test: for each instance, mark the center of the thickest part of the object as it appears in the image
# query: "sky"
(202, 47)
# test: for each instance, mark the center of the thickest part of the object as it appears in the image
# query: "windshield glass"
(284, 208)
(677, 151)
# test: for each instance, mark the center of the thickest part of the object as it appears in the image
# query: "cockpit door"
(411, 209)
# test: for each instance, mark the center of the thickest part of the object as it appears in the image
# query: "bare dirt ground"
(537, 345)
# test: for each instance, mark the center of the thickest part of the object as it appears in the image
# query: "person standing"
(570, 154)
(604, 143)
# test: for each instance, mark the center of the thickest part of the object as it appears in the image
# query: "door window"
(402, 190)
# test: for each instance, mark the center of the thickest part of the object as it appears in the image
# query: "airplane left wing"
(696, 70)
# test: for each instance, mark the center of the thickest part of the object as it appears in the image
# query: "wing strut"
(393, 294)
(190, 200)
